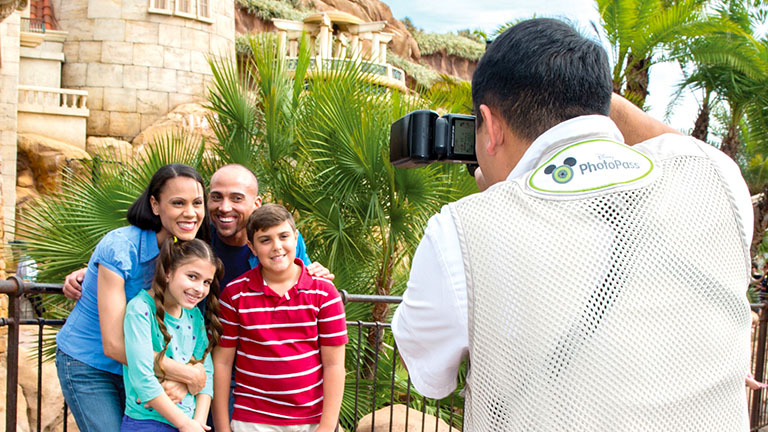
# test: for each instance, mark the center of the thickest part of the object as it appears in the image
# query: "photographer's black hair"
(539, 73)
(140, 212)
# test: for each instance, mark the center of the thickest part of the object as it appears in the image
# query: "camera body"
(422, 137)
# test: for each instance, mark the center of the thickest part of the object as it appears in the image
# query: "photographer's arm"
(635, 124)
(430, 325)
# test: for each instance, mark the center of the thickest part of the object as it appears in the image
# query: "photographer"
(653, 333)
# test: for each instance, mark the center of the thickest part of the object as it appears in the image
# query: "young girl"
(164, 321)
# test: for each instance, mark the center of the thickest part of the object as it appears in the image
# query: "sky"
(445, 16)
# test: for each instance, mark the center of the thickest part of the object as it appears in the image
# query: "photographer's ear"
(494, 130)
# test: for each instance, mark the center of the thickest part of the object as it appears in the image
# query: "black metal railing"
(383, 391)
(373, 385)
(33, 25)
(757, 399)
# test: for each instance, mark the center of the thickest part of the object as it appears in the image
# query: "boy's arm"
(333, 386)
(223, 358)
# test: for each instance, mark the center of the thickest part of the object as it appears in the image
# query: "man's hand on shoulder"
(318, 270)
(73, 287)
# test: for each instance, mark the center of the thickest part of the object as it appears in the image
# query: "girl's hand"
(198, 382)
(175, 390)
(193, 426)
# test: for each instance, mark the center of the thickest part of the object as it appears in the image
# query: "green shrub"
(269, 9)
(450, 43)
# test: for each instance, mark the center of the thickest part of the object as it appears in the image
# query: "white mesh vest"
(619, 306)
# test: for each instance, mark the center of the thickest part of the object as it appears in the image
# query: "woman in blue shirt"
(91, 347)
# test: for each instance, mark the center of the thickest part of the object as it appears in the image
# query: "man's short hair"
(268, 216)
(539, 73)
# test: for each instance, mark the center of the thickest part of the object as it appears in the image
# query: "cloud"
(451, 15)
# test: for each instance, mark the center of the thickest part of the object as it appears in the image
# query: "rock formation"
(191, 117)
(417, 421)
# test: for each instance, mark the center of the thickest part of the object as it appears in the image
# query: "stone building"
(71, 68)
(137, 59)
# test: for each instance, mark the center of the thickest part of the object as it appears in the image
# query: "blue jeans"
(96, 397)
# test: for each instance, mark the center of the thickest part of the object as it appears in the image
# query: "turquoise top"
(143, 339)
(131, 253)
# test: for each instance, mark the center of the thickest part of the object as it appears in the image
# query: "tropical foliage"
(639, 32)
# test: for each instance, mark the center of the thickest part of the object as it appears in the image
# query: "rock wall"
(138, 64)
(451, 65)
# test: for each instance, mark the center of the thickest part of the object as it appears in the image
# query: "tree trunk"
(379, 313)
(701, 126)
(760, 209)
(731, 143)
(637, 80)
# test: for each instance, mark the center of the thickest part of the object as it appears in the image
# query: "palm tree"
(640, 30)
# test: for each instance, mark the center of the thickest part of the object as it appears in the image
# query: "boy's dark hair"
(140, 212)
(268, 216)
(539, 73)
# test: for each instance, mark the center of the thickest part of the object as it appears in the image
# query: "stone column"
(9, 80)
(355, 47)
(283, 35)
(375, 48)
(324, 38)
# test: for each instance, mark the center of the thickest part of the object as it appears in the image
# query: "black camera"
(422, 137)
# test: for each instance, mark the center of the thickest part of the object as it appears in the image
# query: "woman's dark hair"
(140, 212)
(174, 254)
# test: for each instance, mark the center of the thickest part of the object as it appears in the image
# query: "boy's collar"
(257, 283)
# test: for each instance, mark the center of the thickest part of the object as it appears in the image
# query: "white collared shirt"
(431, 324)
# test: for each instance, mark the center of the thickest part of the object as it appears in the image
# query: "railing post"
(12, 354)
(762, 334)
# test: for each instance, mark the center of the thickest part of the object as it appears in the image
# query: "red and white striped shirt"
(278, 370)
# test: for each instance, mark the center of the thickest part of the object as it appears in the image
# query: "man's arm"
(223, 358)
(73, 287)
(333, 386)
(635, 124)
(430, 325)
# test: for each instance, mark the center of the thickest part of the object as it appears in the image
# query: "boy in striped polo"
(287, 330)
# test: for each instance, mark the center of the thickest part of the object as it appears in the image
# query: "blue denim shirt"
(131, 253)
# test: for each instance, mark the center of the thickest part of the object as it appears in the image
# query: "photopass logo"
(563, 173)
(607, 164)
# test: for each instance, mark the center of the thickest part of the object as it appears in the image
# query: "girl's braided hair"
(173, 254)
